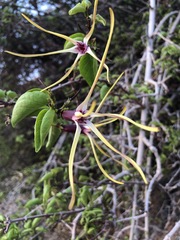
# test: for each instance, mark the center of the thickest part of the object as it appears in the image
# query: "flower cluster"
(83, 118)
(80, 47)
(83, 123)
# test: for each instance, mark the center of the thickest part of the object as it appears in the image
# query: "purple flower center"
(70, 116)
(72, 128)
(81, 47)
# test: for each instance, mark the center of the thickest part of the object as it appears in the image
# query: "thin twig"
(173, 231)
(9, 221)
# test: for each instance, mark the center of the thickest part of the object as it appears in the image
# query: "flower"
(80, 47)
(82, 123)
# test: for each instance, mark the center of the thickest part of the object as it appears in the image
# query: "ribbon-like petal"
(103, 139)
(50, 32)
(120, 117)
(71, 161)
(98, 162)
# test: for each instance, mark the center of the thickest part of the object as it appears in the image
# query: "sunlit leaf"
(78, 8)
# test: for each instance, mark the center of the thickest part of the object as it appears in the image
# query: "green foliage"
(28, 104)
(50, 184)
(2, 94)
(33, 202)
(100, 19)
(13, 232)
(90, 218)
(8, 95)
(80, 7)
(88, 68)
(43, 126)
(104, 89)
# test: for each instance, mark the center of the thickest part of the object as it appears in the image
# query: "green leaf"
(40, 229)
(86, 3)
(52, 203)
(46, 191)
(88, 68)
(75, 36)
(46, 177)
(84, 195)
(28, 103)
(91, 230)
(35, 222)
(104, 89)
(27, 224)
(54, 133)
(47, 121)
(78, 8)
(13, 232)
(2, 94)
(32, 202)
(11, 94)
(50, 174)
(37, 127)
(100, 19)
(27, 231)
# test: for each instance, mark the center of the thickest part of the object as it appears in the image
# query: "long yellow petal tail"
(39, 54)
(102, 138)
(65, 75)
(99, 164)
(50, 32)
(83, 105)
(107, 155)
(71, 161)
(108, 92)
(88, 36)
(122, 117)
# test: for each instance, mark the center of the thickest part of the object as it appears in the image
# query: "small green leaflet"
(47, 121)
(53, 135)
(42, 127)
(37, 126)
(80, 7)
(88, 68)
(104, 89)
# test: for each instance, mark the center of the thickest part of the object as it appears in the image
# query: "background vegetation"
(103, 210)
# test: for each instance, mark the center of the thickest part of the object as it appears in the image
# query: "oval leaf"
(37, 126)
(78, 8)
(11, 94)
(47, 121)
(88, 68)
(54, 133)
(104, 89)
(27, 104)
